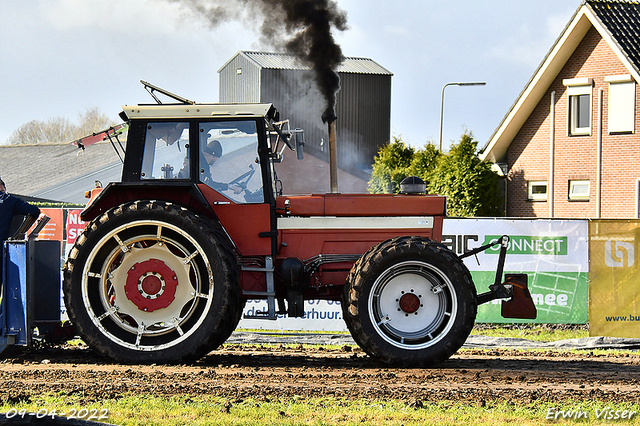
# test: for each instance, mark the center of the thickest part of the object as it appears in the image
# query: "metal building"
(363, 103)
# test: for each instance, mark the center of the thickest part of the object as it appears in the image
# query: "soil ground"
(241, 371)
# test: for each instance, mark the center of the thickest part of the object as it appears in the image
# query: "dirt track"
(242, 371)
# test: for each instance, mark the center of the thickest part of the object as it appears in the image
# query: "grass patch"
(285, 332)
(536, 332)
(153, 410)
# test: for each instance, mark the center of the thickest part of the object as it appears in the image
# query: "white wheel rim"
(182, 317)
(397, 322)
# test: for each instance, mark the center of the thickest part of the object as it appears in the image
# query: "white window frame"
(531, 196)
(577, 87)
(622, 103)
(575, 194)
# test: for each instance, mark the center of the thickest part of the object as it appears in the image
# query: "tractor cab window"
(229, 160)
(166, 151)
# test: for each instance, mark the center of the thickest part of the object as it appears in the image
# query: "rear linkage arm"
(520, 304)
(498, 290)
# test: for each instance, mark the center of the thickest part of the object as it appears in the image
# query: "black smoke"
(299, 27)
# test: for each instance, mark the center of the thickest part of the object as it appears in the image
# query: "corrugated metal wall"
(363, 106)
(295, 95)
(364, 116)
(239, 87)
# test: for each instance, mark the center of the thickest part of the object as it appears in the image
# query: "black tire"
(409, 301)
(151, 282)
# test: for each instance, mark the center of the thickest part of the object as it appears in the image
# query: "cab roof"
(199, 110)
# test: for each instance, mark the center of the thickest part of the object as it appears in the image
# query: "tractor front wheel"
(151, 282)
(411, 301)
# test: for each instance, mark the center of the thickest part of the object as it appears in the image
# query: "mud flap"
(521, 304)
(295, 304)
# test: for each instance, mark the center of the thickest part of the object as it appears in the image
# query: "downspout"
(552, 143)
(599, 178)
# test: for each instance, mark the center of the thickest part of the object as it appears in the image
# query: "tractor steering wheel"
(243, 179)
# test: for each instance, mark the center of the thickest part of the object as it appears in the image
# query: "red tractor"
(199, 224)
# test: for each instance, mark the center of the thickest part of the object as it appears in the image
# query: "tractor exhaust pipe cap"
(413, 185)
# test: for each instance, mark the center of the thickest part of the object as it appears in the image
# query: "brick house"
(570, 145)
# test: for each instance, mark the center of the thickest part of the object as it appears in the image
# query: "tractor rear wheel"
(151, 282)
(411, 301)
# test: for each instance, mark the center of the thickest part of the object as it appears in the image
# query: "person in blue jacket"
(10, 206)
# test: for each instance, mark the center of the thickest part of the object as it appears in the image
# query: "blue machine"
(30, 279)
(15, 300)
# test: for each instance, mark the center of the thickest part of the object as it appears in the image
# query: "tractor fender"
(115, 193)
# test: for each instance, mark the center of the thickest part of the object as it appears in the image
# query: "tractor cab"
(217, 154)
(217, 159)
(227, 148)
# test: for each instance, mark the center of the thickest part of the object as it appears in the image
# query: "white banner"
(553, 252)
(320, 315)
(535, 245)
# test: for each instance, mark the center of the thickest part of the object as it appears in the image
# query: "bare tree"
(92, 120)
(60, 129)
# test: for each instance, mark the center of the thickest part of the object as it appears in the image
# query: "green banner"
(526, 244)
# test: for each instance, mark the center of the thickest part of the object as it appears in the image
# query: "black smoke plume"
(299, 27)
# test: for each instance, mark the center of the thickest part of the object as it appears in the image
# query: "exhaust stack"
(333, 158)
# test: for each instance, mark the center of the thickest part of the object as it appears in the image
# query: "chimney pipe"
(333, 157)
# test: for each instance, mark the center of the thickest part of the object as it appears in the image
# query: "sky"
(62, 57)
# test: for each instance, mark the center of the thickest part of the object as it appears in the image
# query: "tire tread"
(360, 279)
(231, 306)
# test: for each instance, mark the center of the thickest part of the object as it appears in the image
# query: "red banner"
(75, 225)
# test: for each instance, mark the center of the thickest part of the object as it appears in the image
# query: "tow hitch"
(520, 305)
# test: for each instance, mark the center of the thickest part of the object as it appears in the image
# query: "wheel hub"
(151, 285)
(138, 272)
(409, 303)
(405, 310)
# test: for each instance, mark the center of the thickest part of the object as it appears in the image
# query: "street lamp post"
(479, 83)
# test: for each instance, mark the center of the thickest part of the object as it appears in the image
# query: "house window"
(537, 190)
(579, 94)
(580, 107)
(622, 103)
(579, 190)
